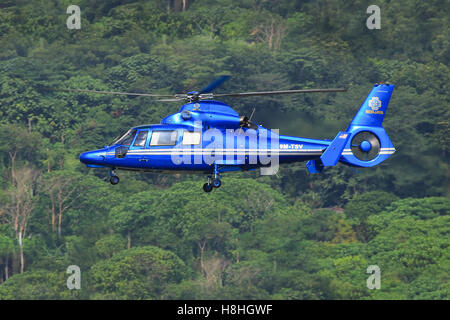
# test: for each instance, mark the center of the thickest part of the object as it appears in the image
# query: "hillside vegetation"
(290, 236)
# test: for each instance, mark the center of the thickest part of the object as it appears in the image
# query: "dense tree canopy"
(290, 236)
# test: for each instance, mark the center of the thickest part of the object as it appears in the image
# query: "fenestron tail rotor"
(204, 94)
(365, 146)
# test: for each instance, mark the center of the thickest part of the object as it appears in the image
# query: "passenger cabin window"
(164, 138)
(191, 137)
(127, 138)
(141, 138)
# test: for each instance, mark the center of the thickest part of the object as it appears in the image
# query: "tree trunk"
(6, 269)
(13, 165)
(15, 265)
(202, 246)
(129, 239)
(59, 226)
(22, 258)
(60, 219)
(53, 212)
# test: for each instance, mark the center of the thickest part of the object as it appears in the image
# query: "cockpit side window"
(127, 138)
(141, 138)
(164, 138)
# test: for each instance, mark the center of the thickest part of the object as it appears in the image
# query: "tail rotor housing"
(365, 146)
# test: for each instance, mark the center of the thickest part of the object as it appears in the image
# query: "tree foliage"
(154, 236)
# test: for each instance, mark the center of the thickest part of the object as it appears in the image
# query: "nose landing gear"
(113, 179)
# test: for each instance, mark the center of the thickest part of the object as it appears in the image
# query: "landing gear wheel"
(207, 187)
(216, 183)
(114, 180)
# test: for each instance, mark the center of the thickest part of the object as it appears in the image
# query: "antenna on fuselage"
(251, 116)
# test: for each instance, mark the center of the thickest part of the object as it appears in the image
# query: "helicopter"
(209, 137)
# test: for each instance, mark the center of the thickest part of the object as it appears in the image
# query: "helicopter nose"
(93, 157)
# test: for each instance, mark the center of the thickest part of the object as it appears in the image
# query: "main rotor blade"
(171, 100)
(210, 87)
(112, 92)
(263, 93)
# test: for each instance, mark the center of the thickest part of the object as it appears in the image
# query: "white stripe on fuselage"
(195, 151)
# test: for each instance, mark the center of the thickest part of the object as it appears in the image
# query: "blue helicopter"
(209, 137)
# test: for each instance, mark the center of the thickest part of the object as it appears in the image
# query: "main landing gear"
(213, 182)
(113, 179)
(207, 187)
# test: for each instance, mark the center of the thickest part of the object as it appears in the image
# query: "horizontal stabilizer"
(332, 154)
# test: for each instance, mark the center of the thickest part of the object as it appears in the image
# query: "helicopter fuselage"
(201, 137)
(245, 152)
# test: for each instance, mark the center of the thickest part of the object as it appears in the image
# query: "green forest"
(287, 236)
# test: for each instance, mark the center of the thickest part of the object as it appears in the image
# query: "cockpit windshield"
(127, 138)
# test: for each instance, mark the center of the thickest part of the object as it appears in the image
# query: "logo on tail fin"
(374, 105)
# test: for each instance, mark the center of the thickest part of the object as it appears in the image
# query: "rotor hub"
(365, 146)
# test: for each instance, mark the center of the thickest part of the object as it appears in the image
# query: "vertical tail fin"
(369, 143)
(373, 110)
(365, 143)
